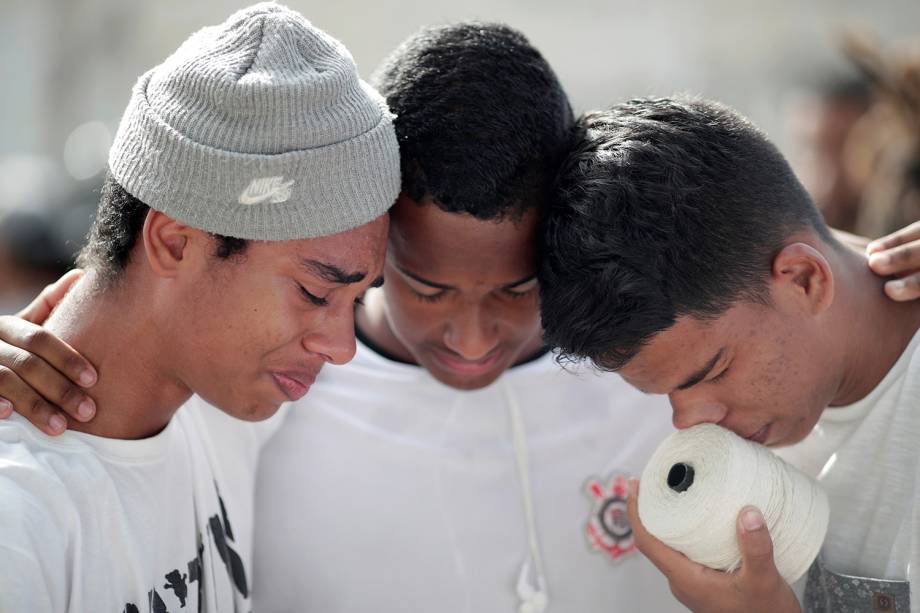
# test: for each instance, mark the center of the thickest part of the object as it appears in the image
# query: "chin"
(466, 384)
(254, 411)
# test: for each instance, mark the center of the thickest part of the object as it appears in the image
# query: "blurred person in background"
(822, 122)
(32, 255)
(884, 148)
(43, 223)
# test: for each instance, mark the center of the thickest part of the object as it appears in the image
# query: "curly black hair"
(119, 220)
(664, 208)
(481, 119)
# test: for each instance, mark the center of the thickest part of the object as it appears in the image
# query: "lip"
(761, 435)
(294, 384)
(466, 367)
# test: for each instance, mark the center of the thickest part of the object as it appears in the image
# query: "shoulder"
(36, 513)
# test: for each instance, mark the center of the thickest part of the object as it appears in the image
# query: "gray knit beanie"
(259, 128)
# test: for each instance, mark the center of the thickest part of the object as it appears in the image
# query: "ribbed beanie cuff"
(259, 128)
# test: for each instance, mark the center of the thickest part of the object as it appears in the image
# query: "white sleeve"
(24, 586)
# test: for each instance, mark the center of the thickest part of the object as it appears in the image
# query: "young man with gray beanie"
(244, 214)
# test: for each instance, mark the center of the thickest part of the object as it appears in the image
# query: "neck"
(115, 330)
(878, 329)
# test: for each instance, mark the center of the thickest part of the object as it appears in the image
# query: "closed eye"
(313, 298)
(518, 293)
(430, 297)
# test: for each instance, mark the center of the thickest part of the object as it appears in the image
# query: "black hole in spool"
(680, 477)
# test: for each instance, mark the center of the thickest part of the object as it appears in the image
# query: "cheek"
(248, 320)
(780, 372)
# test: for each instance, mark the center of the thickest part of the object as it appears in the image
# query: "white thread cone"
(730, 473)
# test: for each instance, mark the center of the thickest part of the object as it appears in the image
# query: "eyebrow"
(703, 372)
(333, 273)
(522, 281)
(437, 285)
(422, 280)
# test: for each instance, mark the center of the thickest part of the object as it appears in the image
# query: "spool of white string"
(699, 479)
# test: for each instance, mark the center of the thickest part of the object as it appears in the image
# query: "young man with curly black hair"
(222, 269)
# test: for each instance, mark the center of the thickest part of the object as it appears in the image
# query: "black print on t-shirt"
(221, 534)
(156, 603)
(175, 581)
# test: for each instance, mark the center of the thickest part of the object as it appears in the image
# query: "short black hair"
(117, 225)
(481, 119)
(665, 207)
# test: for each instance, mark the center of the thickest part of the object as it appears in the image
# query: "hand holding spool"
(702, 494)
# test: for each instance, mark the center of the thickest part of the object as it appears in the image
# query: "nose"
(333, 337)
(472, 332)
(689, 410)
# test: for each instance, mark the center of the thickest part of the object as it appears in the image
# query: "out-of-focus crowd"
(856, 148)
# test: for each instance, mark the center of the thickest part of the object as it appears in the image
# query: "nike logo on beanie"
(266, 189)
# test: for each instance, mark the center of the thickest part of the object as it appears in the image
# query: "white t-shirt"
(91, 524)
(387, 491)
(867, 458)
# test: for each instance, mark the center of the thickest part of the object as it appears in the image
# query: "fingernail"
(873, 246)
(752, 520)
(896, 286)
(87, 378)
(6, 408)
(57, 423)
(879, 259)
(86, 409)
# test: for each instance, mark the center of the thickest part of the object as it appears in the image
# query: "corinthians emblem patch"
(608, 528)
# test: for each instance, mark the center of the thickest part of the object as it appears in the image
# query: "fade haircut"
(119, 221)
(481, 119)
(665, 208)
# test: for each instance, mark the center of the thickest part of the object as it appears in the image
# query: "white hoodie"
(387, 491)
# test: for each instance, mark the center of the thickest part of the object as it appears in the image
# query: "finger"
(6, 408)
(904, 289)
(26, 402)
(897, 260)
(904, 235)
(58, 354)
(40, 308)
(668, 561)
(756, 546)
(47, 382)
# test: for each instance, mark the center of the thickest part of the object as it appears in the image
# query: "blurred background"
(846, 113)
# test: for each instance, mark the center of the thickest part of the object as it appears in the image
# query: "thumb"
(755, 544)
(40, 308)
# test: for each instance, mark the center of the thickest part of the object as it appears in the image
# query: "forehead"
(362, 248)
(446, 246)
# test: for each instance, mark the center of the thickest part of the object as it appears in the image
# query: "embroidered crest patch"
(608, 528)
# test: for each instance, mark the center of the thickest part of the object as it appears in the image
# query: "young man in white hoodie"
(231, 242)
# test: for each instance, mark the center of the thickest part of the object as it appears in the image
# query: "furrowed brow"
(703, 372)
(332, 273)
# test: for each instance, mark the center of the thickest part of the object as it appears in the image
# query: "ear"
(804, 274)
(166, 243)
